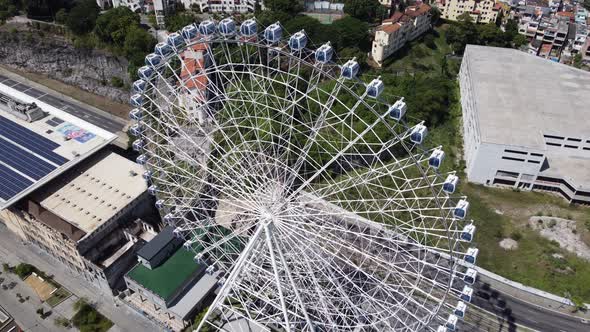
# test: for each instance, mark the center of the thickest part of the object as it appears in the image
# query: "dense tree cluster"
(179, 20)
(465, 31)
(9, 8)
(120, 29)
(349, 34)
(82, 17)
(365, 10)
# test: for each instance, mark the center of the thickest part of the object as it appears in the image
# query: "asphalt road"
(12, 251)
(514, 311)
(88, 115)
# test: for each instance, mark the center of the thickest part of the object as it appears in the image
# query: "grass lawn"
(87, 319)
(417, 57)
(501, 213)
(58, 297)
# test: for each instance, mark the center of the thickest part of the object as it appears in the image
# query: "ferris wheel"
(305, 190)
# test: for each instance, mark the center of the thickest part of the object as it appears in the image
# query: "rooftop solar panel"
(30, 140)
(11, 183)
(23, 161)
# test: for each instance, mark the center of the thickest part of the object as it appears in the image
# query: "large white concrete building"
(525, 122)
(399, 29)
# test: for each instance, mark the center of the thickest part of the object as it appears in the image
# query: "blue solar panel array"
(23, 161)
(16, 159)
(11, 183)
(30, 140)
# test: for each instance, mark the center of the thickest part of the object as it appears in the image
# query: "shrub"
(117, 82)
(516, 235)
(63, 322)
(552, 223)
(23, 270)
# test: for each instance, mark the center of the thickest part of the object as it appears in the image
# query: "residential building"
(525, 122)
(580, 37)
(401, 28)
(171, 287)
(481, 11)
(161, 8)
(87, 218)
(136, 6)
(221, 6)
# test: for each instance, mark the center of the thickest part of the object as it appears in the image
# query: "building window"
(513, 159)
(515, 151)
(554, 137)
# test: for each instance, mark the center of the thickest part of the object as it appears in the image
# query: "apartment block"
(401, 28)
(523, 127)
(221, 6)
(481, 11)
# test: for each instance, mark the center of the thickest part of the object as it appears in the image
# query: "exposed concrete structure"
(525, 122)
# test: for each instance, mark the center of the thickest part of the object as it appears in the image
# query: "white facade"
(484, 11)
(522, 124)
(398, 30)
(221, 6)
(135, 5)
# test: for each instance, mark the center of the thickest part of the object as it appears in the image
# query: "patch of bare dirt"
(563, 231)
(508, 244)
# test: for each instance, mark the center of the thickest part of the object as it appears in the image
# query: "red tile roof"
(390, 28)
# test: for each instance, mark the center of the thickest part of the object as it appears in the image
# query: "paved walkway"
(12, 251)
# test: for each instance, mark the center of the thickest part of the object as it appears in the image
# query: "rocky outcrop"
(90, 70)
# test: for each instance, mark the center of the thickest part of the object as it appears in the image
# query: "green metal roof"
(165, 279)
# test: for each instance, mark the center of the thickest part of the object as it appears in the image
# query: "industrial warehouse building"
(526, 122)
(63, 189)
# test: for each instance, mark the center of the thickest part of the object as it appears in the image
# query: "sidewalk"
(12, 251)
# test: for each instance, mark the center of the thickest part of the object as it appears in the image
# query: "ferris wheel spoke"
(285, 172)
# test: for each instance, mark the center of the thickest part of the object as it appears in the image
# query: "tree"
(519, 40)
(23, 270)
(434, 15)
(462, 33)
(268, 17)
(499, 19)
(364, 10)
(313, 28)
(429, 41)
(490, 34)
(291, 7)
(577, 61)
(138, 43)
(82, 17)
(586, 4)
(61, 16)
(351, 32)
(179, 20)
(112, 26)
(354, 52)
